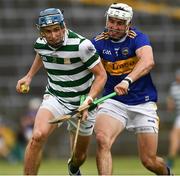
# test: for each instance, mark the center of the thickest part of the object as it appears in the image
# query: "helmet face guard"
(119, 11)
(50, 17)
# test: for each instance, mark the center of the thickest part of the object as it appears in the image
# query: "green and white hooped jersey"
(68, 67)
(174, 92)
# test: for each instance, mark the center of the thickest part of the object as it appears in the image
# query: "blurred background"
(160, 19)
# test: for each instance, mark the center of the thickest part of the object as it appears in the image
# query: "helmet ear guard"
(50, 16)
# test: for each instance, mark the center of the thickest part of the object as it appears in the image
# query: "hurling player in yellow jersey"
(127, 56)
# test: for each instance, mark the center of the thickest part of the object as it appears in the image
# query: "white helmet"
(121, 11)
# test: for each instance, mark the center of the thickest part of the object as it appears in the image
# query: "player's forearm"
(97, 87)
(99, 81)
(142, 68)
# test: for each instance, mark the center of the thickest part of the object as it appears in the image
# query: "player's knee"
(38, 137)
(148, 162)
(103, 140)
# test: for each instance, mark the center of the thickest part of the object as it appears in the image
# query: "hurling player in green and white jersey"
(173, 105)
(73, 69)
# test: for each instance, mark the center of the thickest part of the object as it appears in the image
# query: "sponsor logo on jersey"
(121, 66)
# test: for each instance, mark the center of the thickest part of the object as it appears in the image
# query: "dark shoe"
(73, 170)
(169, 171)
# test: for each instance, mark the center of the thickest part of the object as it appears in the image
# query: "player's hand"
(84, 113)
(121, 88)
(23, 81)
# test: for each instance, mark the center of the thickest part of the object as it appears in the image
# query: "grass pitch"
(121, 166)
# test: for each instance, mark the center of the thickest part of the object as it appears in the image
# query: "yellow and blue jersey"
(119, 59)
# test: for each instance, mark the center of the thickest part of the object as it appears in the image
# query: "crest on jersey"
(125, 51)
(67, 61)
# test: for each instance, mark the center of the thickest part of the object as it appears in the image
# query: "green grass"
(122, 166)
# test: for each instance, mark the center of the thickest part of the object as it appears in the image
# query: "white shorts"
(177, 122)
(139, 118)
(57, 109)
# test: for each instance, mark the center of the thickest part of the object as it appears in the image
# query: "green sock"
(170, 162)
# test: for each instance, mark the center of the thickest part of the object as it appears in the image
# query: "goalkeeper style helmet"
(121, 11)
(50, 16)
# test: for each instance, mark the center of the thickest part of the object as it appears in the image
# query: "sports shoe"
(73, 170)
(169, 171)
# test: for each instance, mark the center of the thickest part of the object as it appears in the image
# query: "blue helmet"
(50, 16)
